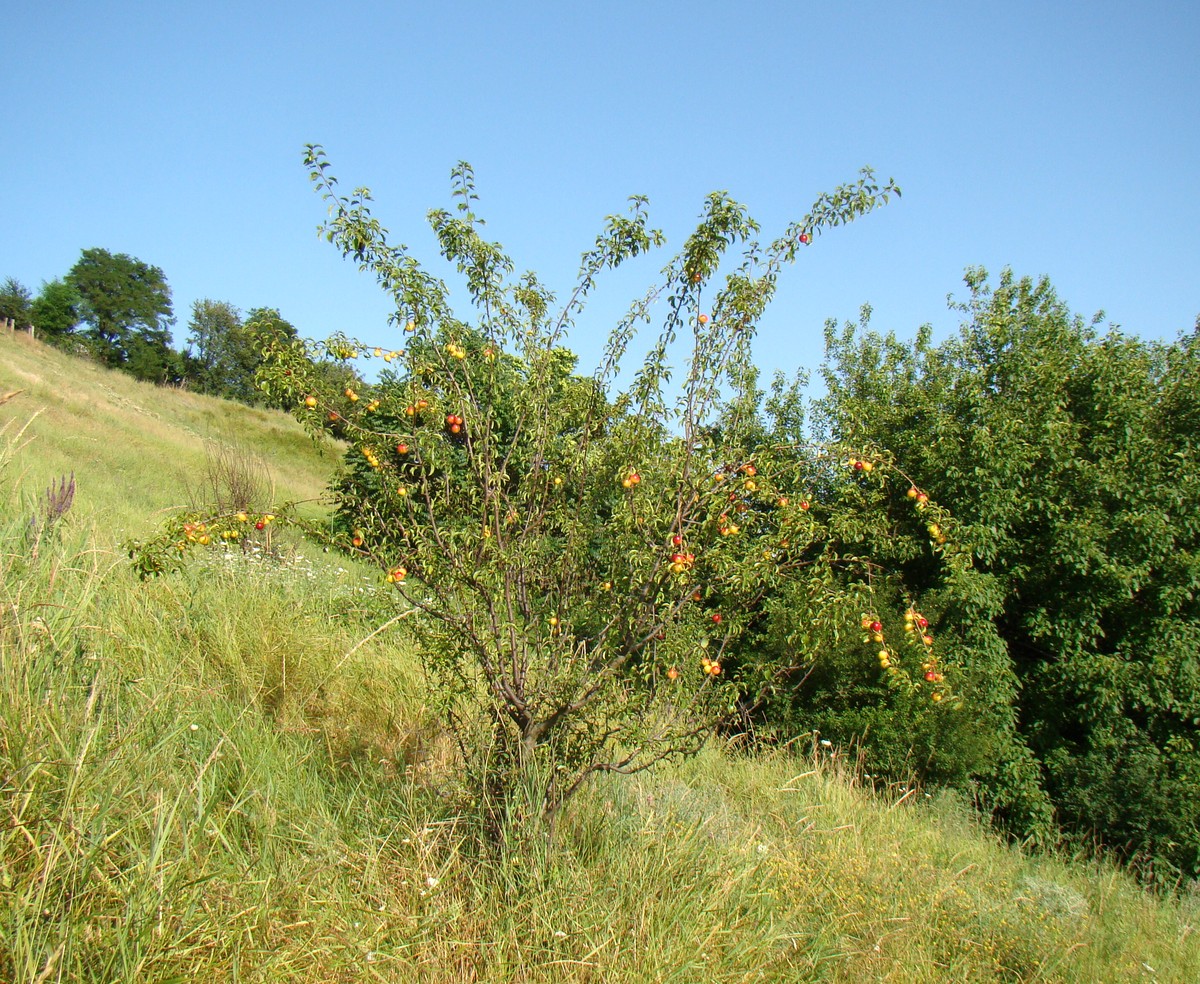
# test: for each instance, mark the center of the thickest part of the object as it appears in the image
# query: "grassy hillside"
(231, 774)
(135, 448)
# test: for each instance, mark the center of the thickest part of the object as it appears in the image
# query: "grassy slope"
(230, 775)
(136, 448)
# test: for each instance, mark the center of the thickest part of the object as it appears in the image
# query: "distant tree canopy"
(126, 305)
(117, 309)
(56, 310)
(15, 303)
(213, 336)
(225, 348)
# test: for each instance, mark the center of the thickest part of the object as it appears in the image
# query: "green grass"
(137, 449)
(231, 774)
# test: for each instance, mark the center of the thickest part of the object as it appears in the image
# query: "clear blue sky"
(1055, 138)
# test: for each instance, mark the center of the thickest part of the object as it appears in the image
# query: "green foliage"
(229, 774)
(898, 593)
(213, 346)
(225, 349)
(15, 303)
(1067, 459)
(126, 305)
(590, 565)
(56, 310)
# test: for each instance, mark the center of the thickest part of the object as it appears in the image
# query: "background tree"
(214, 347)
(226, 350)
(573, 550)
(56, 310)
(1068, 460)
(127, 308)
(16, 303)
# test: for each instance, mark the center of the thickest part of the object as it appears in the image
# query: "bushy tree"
(574, 551)
(1067, 458)
(226, 349)
(590, 563)
(56, 310)
(15, 303)
(126, 305)
(212, 345)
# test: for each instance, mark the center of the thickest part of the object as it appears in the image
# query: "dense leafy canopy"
(1067, 458)
(127, 309)
(16, 303)
(56, 310)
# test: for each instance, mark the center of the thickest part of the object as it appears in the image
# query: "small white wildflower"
(559, 933)
(431, 881)
(826, 743)
(193, 727)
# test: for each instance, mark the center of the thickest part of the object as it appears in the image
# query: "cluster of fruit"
(875, 627)
(456, 351)
(915, 622)
(710, 666)
(369, 454)
(861, 465)
(195, 533)
(202, 533)
(921, 501)
(916, 627)
(630, 480)
(454, 423)
(340, 351)
(725, 527)
(414, 408)
(680, 561)
(397, 575)
(350, 395)
(919, 497)
(740, 499)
